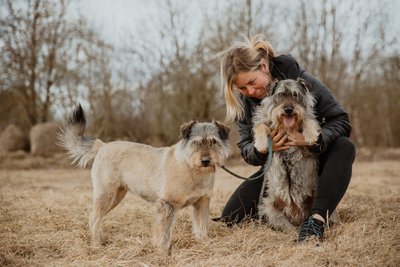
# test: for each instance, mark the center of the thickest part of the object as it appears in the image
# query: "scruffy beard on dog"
(170, 177)
(292, 177)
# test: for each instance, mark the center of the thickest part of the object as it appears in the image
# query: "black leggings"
(335, 166)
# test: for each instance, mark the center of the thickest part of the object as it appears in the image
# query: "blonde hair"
(241, 57)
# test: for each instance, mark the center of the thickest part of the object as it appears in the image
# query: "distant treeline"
(147, 89)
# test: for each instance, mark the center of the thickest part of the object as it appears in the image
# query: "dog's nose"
(288, 109)
(205, 161)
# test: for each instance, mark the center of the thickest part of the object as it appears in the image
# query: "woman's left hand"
(296, 139)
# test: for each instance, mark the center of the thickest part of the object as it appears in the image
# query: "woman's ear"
(264, 66)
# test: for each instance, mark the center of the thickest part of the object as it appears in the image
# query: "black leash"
(267, 165)
(242, 177)
(265, 168)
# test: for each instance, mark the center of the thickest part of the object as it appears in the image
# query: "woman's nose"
(251, 90)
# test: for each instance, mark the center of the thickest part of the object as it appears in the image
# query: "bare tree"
(165, 77)
(42, 53)
(347, 62)
(179, 88)
(185, 83)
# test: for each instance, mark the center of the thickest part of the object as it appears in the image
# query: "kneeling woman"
(247, 69)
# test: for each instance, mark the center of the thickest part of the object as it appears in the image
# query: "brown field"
(44, 207)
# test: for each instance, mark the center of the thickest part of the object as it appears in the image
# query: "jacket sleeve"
(332, 117)
(246, 141)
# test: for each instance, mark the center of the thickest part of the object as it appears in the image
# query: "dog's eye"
(210, 142)
(282, 95)
(197, 143)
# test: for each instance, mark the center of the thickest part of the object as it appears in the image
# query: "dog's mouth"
(207, 168)
(289, 120)
(206, 164)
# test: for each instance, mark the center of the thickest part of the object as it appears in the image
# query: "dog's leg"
(121, 192)
(310, 131)
(103, 202)
(164, 219)
(261, 132)
(275, 217)
(95, 218)
(200, 218)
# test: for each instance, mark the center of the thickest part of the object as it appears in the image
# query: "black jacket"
(332, 117)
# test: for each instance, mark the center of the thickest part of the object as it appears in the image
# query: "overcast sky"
(115, 20)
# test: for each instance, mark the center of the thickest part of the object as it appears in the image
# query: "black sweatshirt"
(332, 117)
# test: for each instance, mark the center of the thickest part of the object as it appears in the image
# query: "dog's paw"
(96, 244)
(201, 237)
(310, 141)
(311, 131)
(261, 133)
(288, 227)
(163, 252)
(261, 144)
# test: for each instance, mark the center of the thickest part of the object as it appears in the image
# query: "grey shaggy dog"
(290, 181)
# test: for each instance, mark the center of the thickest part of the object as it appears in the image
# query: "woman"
(247, 69)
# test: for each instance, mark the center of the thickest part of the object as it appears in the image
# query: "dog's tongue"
(289, 121)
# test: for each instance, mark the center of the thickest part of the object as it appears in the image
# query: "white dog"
(171, 177)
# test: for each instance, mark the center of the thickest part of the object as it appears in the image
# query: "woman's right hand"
(279, 138)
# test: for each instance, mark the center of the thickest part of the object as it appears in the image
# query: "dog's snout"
(288, 109)
(205, 161)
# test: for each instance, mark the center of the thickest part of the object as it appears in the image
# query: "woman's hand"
(282, 141)
(279, 139)
(296, 139)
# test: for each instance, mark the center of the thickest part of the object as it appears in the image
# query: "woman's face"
(254, 83)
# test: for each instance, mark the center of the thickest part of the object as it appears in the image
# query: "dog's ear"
(223, 130)
(185, 129)
(272, 87)
(304, 84)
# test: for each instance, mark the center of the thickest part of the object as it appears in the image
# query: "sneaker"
(311, 227)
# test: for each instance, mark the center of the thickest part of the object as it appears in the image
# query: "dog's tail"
(80, 149)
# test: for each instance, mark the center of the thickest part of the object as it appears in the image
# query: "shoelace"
(309, 228)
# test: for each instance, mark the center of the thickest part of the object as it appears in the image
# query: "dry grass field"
(44, 208)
